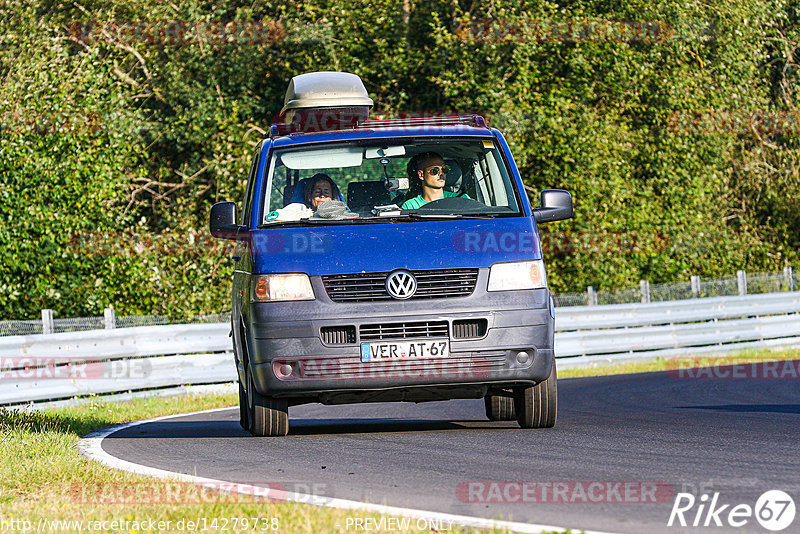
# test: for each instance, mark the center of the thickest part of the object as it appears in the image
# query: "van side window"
(248, 192)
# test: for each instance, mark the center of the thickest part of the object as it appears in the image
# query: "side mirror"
(223, 220)
(556, 206)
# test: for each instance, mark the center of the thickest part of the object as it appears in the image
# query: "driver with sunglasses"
(427, 173)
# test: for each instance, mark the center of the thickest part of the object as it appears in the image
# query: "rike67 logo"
(774, 510)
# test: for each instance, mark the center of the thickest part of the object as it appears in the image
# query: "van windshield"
(371, 180)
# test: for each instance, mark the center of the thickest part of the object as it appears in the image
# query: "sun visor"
(325, 158)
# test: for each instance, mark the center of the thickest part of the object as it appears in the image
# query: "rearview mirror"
(556, 206)
(223, 221)
(384, 152)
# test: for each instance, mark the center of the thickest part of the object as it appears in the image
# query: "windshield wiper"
(314, 221)
(308, 222)
(428, 216)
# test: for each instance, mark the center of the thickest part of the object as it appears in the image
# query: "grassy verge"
(682, 362)
(44, 480)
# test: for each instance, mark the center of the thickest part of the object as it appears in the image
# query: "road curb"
(90, 446)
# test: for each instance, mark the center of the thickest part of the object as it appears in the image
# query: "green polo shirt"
(418, 201)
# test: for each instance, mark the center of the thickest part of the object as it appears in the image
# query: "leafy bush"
(674, 125)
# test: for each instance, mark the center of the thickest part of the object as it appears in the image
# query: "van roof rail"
(474, 120)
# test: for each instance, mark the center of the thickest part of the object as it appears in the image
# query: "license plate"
(397, 350)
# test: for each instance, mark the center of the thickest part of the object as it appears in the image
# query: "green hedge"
(674, 125)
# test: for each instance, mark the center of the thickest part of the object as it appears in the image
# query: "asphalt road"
(651, 435)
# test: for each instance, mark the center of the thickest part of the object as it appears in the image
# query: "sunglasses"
(434, 171)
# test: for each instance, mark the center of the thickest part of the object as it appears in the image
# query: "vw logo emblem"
(401, 284)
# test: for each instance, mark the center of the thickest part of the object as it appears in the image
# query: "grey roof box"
(325, 90)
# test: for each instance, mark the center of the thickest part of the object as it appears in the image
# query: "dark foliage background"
(673, 123)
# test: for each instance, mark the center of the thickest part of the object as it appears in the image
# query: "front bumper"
(289, 358)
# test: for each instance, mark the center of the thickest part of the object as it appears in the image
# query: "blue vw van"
(387, 260)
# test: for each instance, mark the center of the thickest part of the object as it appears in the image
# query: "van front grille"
(469, 328)
(431, 284)
(371, 332)
(338, 335)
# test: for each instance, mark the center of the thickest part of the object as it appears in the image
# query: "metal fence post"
(787, 272)
(591, 296)
(741, 278)
(47, 321)
(109, 318)
(644, 288)
(695, 286)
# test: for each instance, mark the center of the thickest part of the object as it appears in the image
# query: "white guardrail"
(58, 366)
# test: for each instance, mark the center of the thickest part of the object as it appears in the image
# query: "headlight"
(272, 287)
(517, 275)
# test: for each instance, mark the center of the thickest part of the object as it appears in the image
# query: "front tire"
(537, 406)
(500, 408)
(267, 416)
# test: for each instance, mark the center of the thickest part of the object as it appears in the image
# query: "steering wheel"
(455, 205)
